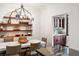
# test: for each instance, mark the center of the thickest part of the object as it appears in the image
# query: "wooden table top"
(49, 51)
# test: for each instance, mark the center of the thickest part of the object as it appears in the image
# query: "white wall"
(49, 10)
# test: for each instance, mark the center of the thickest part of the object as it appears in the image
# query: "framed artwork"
(61, 22)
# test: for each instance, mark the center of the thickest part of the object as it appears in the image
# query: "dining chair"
(13, 50)
(25, 51)
(45, 40)
(33, 48)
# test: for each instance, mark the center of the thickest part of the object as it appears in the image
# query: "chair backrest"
(44, 39)
(8, 39)
(34, 46)
(13, 50)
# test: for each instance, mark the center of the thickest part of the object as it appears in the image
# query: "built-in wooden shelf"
(16, 24)
(28, 26)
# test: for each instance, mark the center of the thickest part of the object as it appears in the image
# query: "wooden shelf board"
(29, 35)
(16, 24)
(14, 30)
(8, 17)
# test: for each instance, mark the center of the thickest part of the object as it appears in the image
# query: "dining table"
(50, 51)
(24, 45)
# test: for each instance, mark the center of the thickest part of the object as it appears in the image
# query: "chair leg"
(28, 52)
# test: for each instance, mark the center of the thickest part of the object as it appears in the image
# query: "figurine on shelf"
(17, 16)
(9, 21)
(1, 28)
